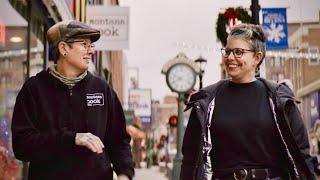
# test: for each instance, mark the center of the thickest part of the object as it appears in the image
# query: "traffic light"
(173, 121)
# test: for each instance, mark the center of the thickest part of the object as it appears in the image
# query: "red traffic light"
(173, 120)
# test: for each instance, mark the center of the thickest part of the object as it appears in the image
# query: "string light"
(269, 53)
(185, 46)
(15, 53)
(292, 55)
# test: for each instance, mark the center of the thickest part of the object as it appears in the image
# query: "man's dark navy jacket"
(46, 118)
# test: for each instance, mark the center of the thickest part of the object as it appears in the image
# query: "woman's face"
(78, 55)
(241, 68)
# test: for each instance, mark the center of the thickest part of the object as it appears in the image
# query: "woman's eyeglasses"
(237, 52)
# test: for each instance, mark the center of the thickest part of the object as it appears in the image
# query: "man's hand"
(122, 177)
(90, 141)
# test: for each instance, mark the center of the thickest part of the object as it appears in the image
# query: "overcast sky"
(159, 27)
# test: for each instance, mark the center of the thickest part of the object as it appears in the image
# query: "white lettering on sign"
(96, 99)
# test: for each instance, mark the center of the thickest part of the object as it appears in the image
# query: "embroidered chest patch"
(96, 99)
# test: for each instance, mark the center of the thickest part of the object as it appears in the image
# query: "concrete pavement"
(152, 173)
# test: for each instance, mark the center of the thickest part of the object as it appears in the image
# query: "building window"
(313, 58)
(277, 61)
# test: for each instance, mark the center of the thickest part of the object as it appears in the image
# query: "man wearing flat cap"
(68, 123)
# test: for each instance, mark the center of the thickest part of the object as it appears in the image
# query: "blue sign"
(145, 119)
(274, 21)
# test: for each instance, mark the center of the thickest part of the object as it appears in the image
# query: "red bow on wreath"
(231, 15)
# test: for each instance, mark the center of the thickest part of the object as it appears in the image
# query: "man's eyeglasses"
(85, 44)
(237, 52)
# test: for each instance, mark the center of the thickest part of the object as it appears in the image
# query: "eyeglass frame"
(232, 50)
(83, 43)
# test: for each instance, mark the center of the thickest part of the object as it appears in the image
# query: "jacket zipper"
(207, 125)
(70, 112)
(199, 151)
(282, 139)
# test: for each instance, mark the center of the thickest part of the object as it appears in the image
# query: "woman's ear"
(258, 57)
(62, 48)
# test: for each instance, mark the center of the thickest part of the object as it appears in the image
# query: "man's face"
(79, 54)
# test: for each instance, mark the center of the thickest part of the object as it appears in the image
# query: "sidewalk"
(152, 173)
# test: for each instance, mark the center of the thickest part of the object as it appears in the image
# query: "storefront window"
(13, 72)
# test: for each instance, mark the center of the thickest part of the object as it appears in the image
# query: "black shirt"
(243, 130)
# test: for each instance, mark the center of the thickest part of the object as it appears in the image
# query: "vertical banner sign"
(2, 34)
(140, 102)
(113, 23)
(274, 22)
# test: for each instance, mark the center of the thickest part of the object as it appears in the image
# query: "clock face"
(181, 78)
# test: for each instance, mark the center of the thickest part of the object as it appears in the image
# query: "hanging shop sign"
(274, 22)
(113, 23)
(140, 102)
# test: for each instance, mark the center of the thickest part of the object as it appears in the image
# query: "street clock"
(181, 73)
(181, 78)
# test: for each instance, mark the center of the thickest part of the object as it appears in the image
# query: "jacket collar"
(282, 91)
(57, 83)
(205, 95)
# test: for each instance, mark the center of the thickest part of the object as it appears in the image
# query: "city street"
(152, 173)
(174, 89)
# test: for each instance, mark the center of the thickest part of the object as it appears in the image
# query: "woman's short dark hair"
(55, 52)
(253, 34)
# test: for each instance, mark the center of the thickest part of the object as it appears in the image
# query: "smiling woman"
(233, 127)
(70, 132)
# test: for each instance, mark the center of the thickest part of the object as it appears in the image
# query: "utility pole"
(255, 9)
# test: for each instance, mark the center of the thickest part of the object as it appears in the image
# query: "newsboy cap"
(69, 30)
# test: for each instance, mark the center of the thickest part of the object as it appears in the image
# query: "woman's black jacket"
(47, 115)
(286, 114)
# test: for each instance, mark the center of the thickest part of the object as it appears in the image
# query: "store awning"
(9, 16)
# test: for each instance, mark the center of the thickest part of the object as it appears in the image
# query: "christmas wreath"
(229, 18)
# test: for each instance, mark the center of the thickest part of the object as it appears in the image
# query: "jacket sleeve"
(300, 135)
(190, 147)
(118, 140)
(29, 144)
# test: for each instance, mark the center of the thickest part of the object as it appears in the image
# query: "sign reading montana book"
(113, 23)
(274, 22)
(140, 102)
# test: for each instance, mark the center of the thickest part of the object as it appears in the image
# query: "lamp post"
(255, 8)
(202, 64)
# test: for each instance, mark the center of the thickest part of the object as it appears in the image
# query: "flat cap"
(69, 30)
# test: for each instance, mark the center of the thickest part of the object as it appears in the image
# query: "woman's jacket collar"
(281, 91)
